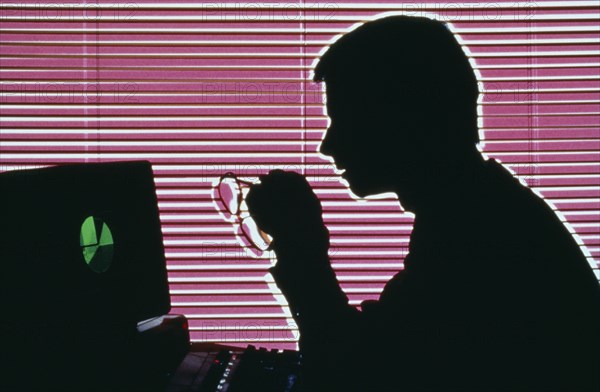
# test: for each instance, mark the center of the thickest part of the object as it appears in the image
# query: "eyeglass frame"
(240, 200)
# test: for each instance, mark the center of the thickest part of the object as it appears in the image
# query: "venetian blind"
(204, 88)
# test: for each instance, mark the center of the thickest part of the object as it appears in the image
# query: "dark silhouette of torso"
(495, 296)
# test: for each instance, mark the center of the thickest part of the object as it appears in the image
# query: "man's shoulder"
(501, 199)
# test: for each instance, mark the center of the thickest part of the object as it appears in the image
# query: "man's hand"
(285, 206)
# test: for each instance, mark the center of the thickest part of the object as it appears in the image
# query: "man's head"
(402, 99)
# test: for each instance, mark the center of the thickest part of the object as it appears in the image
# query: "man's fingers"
(282, 199)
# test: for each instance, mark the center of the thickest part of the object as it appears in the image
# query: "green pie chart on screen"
(97, 244)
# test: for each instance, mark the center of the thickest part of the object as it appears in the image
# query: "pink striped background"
(200, 89)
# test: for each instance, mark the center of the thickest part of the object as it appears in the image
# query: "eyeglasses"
(230, 194)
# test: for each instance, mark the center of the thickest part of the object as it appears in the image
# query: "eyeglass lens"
(231, 196)
(229, 192)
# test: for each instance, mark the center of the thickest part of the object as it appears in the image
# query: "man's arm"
(331, 335)
(284, 206)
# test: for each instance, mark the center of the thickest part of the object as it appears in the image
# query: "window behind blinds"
(201, 89)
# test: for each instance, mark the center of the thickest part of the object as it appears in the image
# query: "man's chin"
(358, 189)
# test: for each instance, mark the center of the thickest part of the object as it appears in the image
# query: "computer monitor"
(82, 242)
(81, 263)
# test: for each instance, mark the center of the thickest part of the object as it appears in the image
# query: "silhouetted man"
(495, 295)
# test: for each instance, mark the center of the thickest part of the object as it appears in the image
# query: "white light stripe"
(235, 267)
(291, 117)
(154, 119)
(165, 217)
(179, 192)
(236, 316)
(144, 132)
(328, 215)
(208, 131)
(540, 78)
(527, 66)
(235, 279)
(215, 279)
(357, 215)
(131, 155)
(374, 290)
(505, 91)
(520, 128)
(533, 153)
(210, 204)
(288, 94)
(228, 68)
(590, 236)
(191, 230)
(237, 304)
(295, 31)
(162, 143)
(244, 328)
(277, 18)
(106, 106)
(184, 55)
(586, 212)
(234, 42)
(157, 168)
(333, 227)
(308, 6)
(219, 244)
(297, 143)
(224, 303)
(525, 29)
(221, 292)
(394, 228)
(248, 339)
(148, 106)
(575, 200)
(274, 80)
(239, 328)
(564, 53)
(233, 118)
(584, 224)
(111, 80)
(211, 254)
(208, 192)
(541, 90)
(183, 204)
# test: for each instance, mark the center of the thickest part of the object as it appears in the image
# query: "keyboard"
(250, 370)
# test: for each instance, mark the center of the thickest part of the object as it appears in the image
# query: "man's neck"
(444, 187)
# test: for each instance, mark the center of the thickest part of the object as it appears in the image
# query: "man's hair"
(409, 63)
